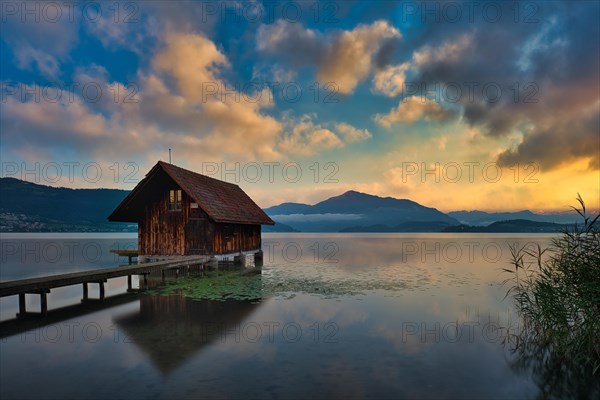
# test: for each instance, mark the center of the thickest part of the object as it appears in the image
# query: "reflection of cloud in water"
(306, 310)
(364, 265)
(369, 356)
(367, 250)
(404, 344)
(332, 282)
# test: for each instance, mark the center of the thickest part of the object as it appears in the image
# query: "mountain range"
(482, 218)
(355, 210)
(359, 212)
(30, 207)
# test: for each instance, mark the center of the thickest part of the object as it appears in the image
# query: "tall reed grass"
(556, 291)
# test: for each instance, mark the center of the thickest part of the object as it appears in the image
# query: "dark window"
(174, 200)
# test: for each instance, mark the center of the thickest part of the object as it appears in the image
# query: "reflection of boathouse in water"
(180, 212)
(170, 329)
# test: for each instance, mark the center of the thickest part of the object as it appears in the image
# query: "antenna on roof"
(169, 156)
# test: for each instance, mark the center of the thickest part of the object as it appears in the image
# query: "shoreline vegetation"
(556, 291)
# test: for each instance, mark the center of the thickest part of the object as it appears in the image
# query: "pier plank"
(38, 284)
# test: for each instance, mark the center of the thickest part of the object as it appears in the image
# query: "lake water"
(352, 316)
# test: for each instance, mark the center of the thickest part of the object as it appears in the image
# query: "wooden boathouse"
(184, 219)
(183, 213)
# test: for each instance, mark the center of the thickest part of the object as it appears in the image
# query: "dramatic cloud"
(521, 89)
(216, 117)
(194, 115)
(412, 109)
(129, 31)
(449, 52)
(563, 143)
(182, 102)
(350, 57)
(49, 122)
(194, 62)
(293, 40)
(32, 59)
(538, 80)
(305, 138)
(352, 134)
(390, 79)
(344, 58)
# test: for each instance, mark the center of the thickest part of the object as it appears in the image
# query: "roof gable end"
(222, 201)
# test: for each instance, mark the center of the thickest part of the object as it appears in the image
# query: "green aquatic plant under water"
(557, 294)
(286, 283)
(217, 285)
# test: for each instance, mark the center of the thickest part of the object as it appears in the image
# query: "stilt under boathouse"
(183, 213)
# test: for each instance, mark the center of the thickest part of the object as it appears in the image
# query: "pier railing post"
(22, 305)
(42, 285)
(85, 291)
(101, 287)
(44, 302)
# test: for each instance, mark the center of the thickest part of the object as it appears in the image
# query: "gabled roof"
(222, 201)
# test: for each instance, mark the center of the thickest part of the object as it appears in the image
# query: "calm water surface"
(353, 316)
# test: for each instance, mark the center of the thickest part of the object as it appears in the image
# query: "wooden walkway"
(43, 285)
(129, 253)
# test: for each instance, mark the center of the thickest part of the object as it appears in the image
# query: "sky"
(488, 105)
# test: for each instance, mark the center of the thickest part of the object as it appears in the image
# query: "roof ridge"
(164, 163)
(221, 201)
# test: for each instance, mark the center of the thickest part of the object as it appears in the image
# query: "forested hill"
(29, 207)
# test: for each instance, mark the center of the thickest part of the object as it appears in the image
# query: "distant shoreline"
(133, 235)
(68, 235)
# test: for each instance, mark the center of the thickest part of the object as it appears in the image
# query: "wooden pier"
(43, 285)
(129, 253)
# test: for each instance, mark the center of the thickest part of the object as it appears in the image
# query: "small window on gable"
(174, 200)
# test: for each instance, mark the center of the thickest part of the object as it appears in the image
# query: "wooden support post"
(162, 271)
(85, 291)
(44, 302)
(22, 306)
(129, 288)
(258, 259)
(101, 287)
(240, 260)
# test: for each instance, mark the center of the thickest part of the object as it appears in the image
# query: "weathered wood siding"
(198, 231)
(189, 231)
(162, 232)
(230, 238)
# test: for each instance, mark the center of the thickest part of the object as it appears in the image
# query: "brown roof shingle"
(222, 201)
